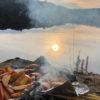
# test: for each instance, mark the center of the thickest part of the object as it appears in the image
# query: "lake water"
(30, 44)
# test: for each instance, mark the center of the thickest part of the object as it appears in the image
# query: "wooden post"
(78, 64)
(87, 62)
(82, 65)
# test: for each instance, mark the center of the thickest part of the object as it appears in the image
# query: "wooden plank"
(68, 98)
(86, 97)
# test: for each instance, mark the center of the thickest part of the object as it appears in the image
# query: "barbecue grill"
(54, 93)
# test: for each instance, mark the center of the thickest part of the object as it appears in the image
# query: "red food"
(1, 92)
(32, 66)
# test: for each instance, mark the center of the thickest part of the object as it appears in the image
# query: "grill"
(56, 93)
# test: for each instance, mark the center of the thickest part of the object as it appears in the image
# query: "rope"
(73, 47)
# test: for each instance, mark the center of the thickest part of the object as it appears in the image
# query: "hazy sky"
(30, 44)
(78, 3)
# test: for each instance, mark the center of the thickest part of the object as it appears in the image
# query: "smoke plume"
(25, 14)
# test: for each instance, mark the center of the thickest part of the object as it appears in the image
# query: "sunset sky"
(78, 3)
(30, 44)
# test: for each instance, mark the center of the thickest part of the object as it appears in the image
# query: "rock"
(19, 63)
(41, 61)
(16, 63)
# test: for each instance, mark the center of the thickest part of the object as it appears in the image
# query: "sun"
(55, 47)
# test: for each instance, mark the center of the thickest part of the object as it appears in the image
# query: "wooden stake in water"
(87, 63)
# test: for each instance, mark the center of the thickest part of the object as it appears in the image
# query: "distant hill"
(18, 63)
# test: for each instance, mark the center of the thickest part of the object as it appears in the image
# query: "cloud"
(81, 3)
(88, 3)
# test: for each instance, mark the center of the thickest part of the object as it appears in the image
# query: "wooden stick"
(67, 98)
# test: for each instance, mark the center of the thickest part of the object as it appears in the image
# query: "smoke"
(55, 74)
(25, 14)
(45, 14)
